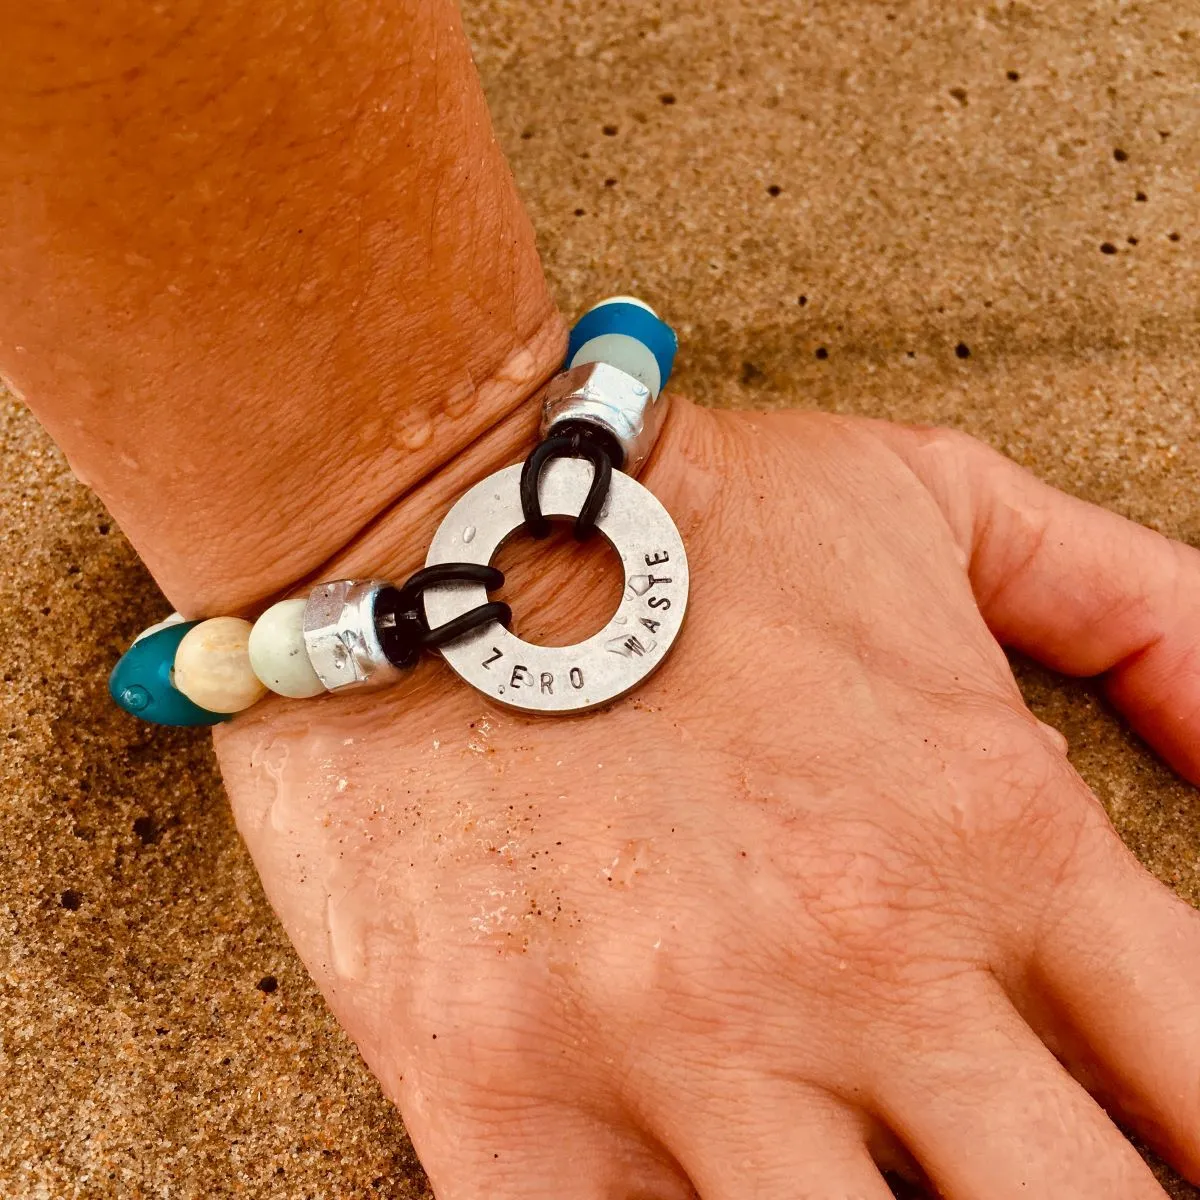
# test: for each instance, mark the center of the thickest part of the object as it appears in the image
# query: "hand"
(823, 894)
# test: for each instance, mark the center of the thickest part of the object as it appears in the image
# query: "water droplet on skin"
(417, 435)
(461, 399)
(347, 933)
(468, 534)
(271, 759)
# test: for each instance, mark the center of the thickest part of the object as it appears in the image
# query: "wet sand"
(980, 215)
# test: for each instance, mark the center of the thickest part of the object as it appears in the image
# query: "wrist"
(393, 544)
(366, 506)
(348, 634)
(267, 297)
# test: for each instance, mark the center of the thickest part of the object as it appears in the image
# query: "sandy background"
(978, 214)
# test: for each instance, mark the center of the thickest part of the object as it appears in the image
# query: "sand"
(977, 214)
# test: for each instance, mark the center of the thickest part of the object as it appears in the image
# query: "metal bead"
(600, 394)
(341, 635)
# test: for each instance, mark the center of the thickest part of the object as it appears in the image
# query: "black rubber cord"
(493, 610)
(573, 440)
(410, 591)
(400, 616)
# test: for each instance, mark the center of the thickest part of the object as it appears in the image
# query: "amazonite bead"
(212, 666)
(623, 352)
(277, 652)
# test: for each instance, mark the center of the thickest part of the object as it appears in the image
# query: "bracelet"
(600, 419)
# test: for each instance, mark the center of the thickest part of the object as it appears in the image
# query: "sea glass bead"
(628, 334)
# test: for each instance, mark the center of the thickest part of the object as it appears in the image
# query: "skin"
(823, 894)
(262, 271)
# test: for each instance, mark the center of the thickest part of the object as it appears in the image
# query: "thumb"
(1076, 587)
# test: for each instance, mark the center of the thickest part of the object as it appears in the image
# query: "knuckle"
(1038, 823)
(947, 456)
(874, 908)
(480, 1031)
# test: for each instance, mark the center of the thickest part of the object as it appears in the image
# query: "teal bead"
(633, 320)
(141, 681)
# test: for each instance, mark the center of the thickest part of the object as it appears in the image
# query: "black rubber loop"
(493, 610)
(400, 619)
(578, 442)
(418, 581)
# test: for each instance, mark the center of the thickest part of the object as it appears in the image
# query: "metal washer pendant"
(562, 679)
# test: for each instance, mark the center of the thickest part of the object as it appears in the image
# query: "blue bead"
(141, 681)
(633, 321)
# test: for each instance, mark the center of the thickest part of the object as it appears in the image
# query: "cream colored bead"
(174, 619)
(212, 666)
(277, 651)
(624, 300)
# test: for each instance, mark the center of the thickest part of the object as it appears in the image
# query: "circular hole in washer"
(561, 591)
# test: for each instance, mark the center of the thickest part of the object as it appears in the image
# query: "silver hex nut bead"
(341, 638)
(598, 393)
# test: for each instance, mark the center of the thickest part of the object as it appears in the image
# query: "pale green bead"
(626, 354)
(277, 652)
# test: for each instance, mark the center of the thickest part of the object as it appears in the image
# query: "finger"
(540, 1155)
(769, 1139)
(1119, 963)
(1073, 585)
(991, 1115)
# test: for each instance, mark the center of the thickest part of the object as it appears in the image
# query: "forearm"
(261, 272)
